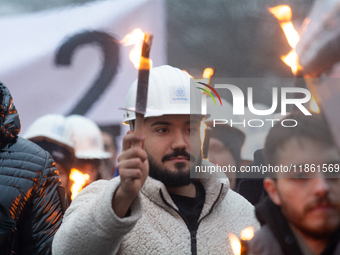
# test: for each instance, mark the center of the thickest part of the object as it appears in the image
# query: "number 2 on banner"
(110, 49)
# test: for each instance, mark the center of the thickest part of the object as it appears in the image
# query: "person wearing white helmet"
(226, 141)
(53, 134)
(89, 146)
(154, 207)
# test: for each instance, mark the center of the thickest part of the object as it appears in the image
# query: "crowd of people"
(155, 205)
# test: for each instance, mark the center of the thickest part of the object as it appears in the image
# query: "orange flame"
(235, 244)
(136, 38)
(284, 14)
(313, 105)
(79, 181)
(207, 73)
(247, 234)
(281, 12)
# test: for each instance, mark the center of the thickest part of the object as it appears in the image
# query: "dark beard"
(322, 233)
(169, 178)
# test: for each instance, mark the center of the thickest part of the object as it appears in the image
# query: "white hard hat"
(169, 92)
(88, 139)
(52, 127)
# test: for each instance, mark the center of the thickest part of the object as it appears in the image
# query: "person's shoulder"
(25, 146)
(92, 192)
(239, 207)
(264, 243)
(25, 155)
(96, 187)
(236, 199)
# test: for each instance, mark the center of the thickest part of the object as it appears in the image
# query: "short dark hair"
(312, 127)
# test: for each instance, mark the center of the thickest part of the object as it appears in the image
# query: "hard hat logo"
(179, 95)
(180, 92)
(58, 130)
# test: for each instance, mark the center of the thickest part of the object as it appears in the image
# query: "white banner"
(39, 86)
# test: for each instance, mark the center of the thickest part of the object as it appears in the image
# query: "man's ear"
(270, 186)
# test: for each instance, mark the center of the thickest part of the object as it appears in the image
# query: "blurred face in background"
(219, 154)
(311, 205)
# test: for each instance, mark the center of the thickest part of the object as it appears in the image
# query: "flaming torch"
(204, 129)
(284, 15)
(136, 38)
(241, 247)
(139, 56)
(79, 180)
(143, 82)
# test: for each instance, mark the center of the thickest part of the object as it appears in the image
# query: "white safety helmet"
(89, 142)
(170, 91)
(51, 127)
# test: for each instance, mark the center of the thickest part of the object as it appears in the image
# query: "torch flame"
(235, 244)
(247, 234)
(203, 127)
(313, 105)
(281, 12)
(284, 14)
(207, 73)
(136, 38)
(79, 181)
(291, 60)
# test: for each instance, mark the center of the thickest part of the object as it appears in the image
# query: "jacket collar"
(270, 214)
(215, 191)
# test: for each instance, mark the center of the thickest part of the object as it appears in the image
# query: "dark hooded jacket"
(31, 198)
(276, 237)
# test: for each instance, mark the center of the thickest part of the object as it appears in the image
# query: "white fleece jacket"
(90, 225)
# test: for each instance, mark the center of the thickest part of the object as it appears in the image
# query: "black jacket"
(31, 198)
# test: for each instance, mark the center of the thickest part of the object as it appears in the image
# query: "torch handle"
(142, 86)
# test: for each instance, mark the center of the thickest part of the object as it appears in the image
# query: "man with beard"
(302, 213)
(154, 207)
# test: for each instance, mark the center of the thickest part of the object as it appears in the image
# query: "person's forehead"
(298, 150)
(173, 120)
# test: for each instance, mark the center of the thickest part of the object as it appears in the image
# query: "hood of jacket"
(9, 121)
